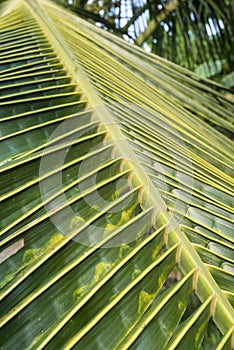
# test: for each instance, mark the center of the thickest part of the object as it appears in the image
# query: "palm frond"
(189, 32)
(116, 197)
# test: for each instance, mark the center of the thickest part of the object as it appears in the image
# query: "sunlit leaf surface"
(116, 196)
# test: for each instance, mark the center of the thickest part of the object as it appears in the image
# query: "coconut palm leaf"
(116, 197)
(194, 34)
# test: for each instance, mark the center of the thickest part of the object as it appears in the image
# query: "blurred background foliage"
(196, 34)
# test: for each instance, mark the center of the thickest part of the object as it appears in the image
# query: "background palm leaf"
(195, 34)
(116, 198)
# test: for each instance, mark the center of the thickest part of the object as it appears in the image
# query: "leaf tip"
(178, 253)
(195, 279)
(213, 306)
